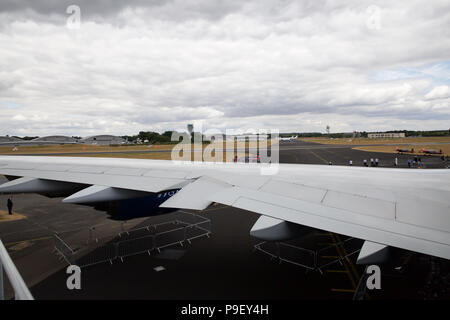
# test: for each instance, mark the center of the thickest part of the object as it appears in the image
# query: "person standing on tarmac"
(9, 204)
(365, 162)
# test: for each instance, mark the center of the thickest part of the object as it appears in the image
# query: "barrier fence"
(185, 227)
(309, 259)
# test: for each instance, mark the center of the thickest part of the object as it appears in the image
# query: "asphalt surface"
(311, 153)
(224, 266)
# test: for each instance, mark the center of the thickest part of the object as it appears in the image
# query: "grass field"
(356, 141)
(82, 148)
(78, 148)
(116, 151)
(122, 151)
(154, 156)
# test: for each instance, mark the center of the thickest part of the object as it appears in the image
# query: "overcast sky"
(158, 65)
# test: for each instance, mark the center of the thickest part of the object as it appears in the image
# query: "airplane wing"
(404, 208)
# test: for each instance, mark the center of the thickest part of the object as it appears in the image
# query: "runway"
(222, 267)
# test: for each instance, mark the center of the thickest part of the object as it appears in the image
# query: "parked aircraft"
(400, 150)
(431, 151)
(288, 138)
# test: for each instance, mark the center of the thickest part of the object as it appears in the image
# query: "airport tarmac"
(224, 266)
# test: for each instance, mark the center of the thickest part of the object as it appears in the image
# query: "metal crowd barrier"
(21, 291)
(310, 258)
(63, 249)
(279, 245)
(141, 240)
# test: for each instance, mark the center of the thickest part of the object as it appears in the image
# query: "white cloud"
(440, 92)
(241, 64)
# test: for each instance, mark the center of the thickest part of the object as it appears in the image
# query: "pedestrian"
(9, 204)
(365, 162)
(371, 162)
(376, 162)
(330, 163)
(409, 163)
(395, 162)
(350, 163)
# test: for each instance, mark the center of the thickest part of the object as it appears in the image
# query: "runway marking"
(5, 216)
(344, 262)
(327, 244)
(321, 233)
(337, 271)
(318, 157)
(35, 239)
(343, 290)
(21, 245)
(352, 266)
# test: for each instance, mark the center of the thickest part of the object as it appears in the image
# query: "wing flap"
(195, 195)
(344, 221)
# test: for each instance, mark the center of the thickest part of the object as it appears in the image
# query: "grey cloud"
(253, 64)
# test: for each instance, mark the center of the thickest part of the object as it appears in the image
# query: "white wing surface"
(405, 208)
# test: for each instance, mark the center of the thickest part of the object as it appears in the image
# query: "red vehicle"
(431, 151)
(248, 159)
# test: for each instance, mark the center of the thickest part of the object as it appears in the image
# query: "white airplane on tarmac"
(287, 138)
(403, 208)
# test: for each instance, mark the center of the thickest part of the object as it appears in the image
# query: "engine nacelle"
(271, 229)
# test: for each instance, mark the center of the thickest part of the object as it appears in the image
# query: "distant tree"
(29, 138)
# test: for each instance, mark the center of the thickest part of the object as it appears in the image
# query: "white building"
(386, 135)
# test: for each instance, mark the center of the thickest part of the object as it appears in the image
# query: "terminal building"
(386, 135)
(103, 140)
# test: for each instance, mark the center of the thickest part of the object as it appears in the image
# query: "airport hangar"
(103, 140)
